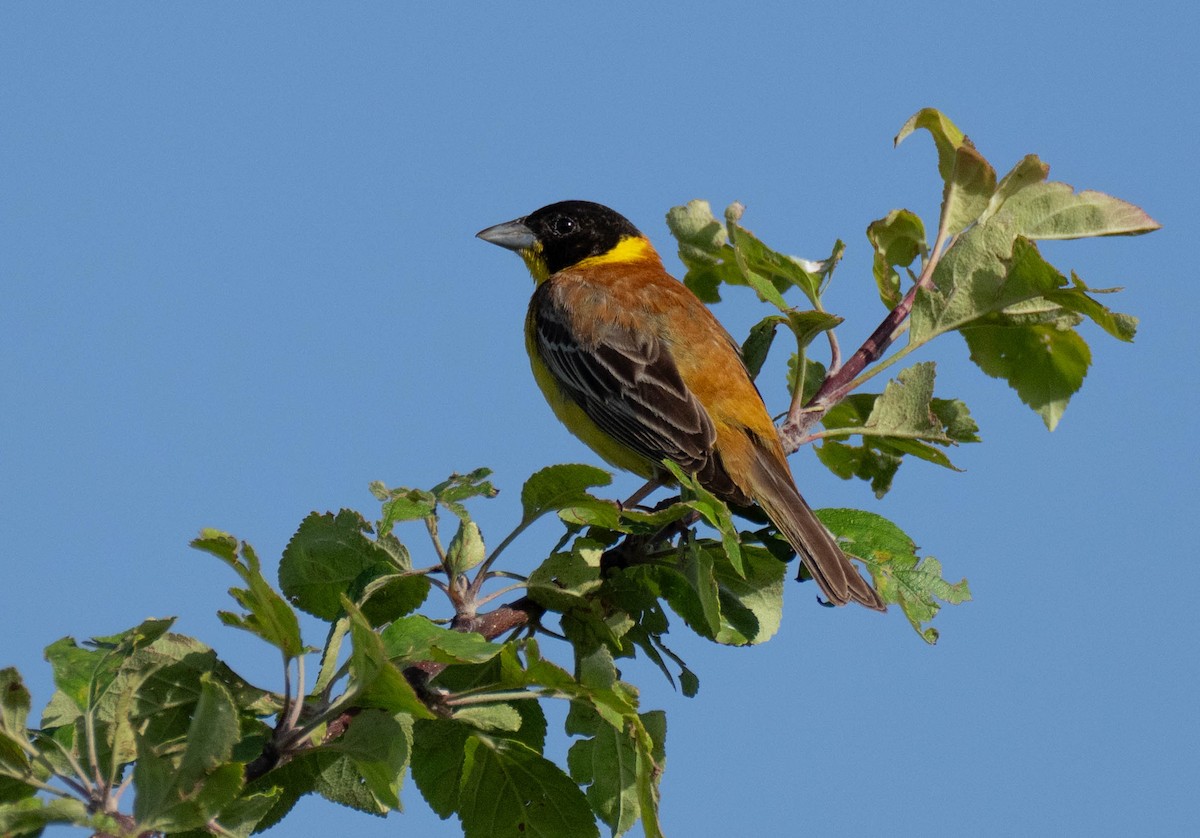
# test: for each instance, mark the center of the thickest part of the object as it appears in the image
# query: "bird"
(641, 370)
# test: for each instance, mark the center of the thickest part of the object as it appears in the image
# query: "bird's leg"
(640, 495)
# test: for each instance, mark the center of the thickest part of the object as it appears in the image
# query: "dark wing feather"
(628, 384)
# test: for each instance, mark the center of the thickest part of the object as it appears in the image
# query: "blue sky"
(240, 281)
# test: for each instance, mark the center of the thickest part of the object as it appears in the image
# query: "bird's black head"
(561, 235)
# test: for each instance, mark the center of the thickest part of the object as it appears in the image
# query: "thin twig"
(835, 352)
(116, 798)
(481, 575)
(298, 704)
(496, 698)
(431, 524)
(505, 590)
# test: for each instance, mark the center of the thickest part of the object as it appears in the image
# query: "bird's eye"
(562, 225)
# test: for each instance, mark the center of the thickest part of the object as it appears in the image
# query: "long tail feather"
(839, 580)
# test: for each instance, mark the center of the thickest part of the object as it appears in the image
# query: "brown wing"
(627, 383)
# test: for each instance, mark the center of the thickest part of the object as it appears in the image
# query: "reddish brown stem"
(839, 382)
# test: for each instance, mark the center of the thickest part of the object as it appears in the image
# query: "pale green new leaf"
(904, 419)
(898, 239)
(704, 249)
(1028, 171)
(1054, 210)
(268, 614)
(970, 181)
(466, 549)
(451, 492)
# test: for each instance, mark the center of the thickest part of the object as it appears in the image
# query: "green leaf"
(188, 790)
(466, 549)
(502, 718)
(362, 769)
(14, 704)
(716, 253)
(374, 680)
(437, 762)
(713, 510)
(874, 465)
(327, 557)
(390, 597)
(758, 343)
(945, 133)
(415, 638)
(703, 248)
(1076, 299)
(559, 487)
(751, 604)
(240, 817)
(1054, 210)
(377, 746)
(806, 325)
(459, 487)
(804, 377)
(606, 764)
(970, 181)
(1028, 171)
(771, 273)
(904, 419)
(170, 673)
(900, 576)
(1018, 321)
(760, 267)
(404, 505)
(699, 602)
(85, 675)
(898, 239)
(269, 616)
(533, 724)
(567, 580)
(509, 791)
(605, 514)
(213, 733)
(652, 757)
(1044, 364)
(15, 767)
(979, 275)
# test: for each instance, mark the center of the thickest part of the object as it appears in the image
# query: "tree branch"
(841, 380)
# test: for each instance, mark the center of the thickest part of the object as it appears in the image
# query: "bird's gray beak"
(513, 235)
